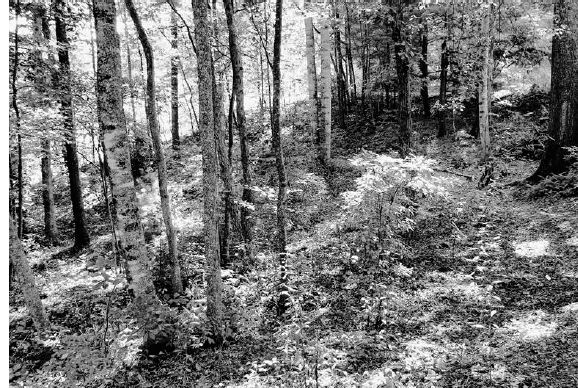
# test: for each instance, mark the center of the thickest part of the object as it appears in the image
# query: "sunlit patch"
(571, 308)
(532, 248)
(572, 241)
(532, 326)
(420, 353)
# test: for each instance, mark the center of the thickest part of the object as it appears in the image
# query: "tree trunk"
(311, 75)
(14, 102)
(442, 130)
(239, 92)
(176, 141)
(563, 130)
(152, 118)
(28, 288)
(283, 301)
(423, 66)
(132, 91)
(210, 173)
(348, 54)
(42, 80)
(225, 171)
(403, 97)
(325, 94)
(113, 125)
(484, 103)
(341, 88)
(81, 238)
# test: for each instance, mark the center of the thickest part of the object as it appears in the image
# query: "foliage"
(388, 193)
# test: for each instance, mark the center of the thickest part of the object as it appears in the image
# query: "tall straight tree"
(483, 88)
(349, 57)
(176, 139)
(29, 291)
(81, 238)
(151, 112)
(324, 130)
(311, 75)
(214, 290)
(563, 130)
(340, 73)
(14, 103)
(112, 123)
(239, 93)
(283, 301)
(403, 84)
(41, 34)
(423, 66)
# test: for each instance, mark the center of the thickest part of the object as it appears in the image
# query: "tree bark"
(403, 96)
(348, 54)
(113, 125)
(239, 93)
(152, 118)
(311, 75)
(324, 129)
(563, 130)
(14, 102)
(28, 288)
(176, 140)
(205, 71)
(423, 66)
(41, 34)
(442, 130)
(283, 301)
(81, 238)
(341, 88)
(484, 103)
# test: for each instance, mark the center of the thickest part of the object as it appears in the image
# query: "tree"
(81, 238)
(283, 301)
(239, 96)
(28, 287)
(176, 141)
(112, 123)
(311, 74)
(563, 129)
(483, 91)
(41, 36)
(205, 71)
(423, 66)
(403, 89)
(324, 130)
(151, 112)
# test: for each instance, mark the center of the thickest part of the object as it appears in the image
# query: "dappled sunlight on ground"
(531, 326)
(532, 248)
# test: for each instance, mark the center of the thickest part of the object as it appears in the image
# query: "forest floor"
(483, 293)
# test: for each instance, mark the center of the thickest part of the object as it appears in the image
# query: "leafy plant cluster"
(386, 200)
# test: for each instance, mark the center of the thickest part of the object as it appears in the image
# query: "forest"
(293, 193)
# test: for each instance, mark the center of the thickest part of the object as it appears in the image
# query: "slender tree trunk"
(151, 111)
(341, 88)
(311, 76)
(14, 103)
(176, 141)
(484, 105)
(28, 288)
(81, 238)
(325, 93)
(442, 130)
(403, 97)
(423, 66)
(42, 37)
(239, 92)
(563, 130)
(210, 173)
(113, 125)
(283, 302)
(348, 54)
